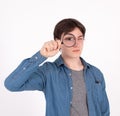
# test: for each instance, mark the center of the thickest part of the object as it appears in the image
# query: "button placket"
(71, 87)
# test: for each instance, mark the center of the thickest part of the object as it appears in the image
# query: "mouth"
(75, 50)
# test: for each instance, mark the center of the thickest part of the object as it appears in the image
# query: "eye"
(69, 39)
(81, 38)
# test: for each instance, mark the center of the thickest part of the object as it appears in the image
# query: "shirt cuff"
(37, 58)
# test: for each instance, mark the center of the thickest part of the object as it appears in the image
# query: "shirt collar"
(59, 61)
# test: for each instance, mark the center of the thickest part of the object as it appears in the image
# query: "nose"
(77, 42)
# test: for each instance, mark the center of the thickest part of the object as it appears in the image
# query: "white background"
(26, 24)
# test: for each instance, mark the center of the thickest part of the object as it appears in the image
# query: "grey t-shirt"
(79, 101)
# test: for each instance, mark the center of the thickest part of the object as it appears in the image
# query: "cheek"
(65, 50)
(81, 46)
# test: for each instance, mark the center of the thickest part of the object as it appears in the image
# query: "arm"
(27, 70)
(105, 103)
(28, 75)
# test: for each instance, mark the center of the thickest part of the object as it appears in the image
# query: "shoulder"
(94, 70)
(97, 73)
(90, 66)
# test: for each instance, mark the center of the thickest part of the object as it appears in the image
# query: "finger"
(51, 45)
(47, 46)
(54, 45)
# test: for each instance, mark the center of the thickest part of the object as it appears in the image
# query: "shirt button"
(71, 88)
(36, 57)
(24, 68)
(70, 74)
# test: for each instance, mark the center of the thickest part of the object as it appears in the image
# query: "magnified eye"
(69, 39)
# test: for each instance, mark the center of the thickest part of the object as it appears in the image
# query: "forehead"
(76, 31)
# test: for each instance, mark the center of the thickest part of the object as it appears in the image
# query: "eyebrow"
(73, 34)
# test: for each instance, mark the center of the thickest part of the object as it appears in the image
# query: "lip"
(75, 50)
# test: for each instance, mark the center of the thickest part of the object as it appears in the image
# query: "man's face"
(72, 43)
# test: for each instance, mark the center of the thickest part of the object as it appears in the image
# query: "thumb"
(58, 44)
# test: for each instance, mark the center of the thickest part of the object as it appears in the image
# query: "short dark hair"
(67, 25)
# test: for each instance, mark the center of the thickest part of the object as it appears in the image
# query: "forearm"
(105, 108)
(22, 73)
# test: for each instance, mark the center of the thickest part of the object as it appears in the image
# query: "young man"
(72, 87)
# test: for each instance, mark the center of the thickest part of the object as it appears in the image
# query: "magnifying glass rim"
(67, 45)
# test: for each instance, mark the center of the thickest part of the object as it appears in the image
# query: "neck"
(73, 63)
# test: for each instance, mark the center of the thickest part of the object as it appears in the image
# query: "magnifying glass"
(69, 40)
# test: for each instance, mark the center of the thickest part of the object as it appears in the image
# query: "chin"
(75, 55)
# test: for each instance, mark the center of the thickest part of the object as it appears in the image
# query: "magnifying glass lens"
(68, 40)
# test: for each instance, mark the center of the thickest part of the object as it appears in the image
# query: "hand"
(50, 48)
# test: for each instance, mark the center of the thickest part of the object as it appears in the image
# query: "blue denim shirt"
(54, 79)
